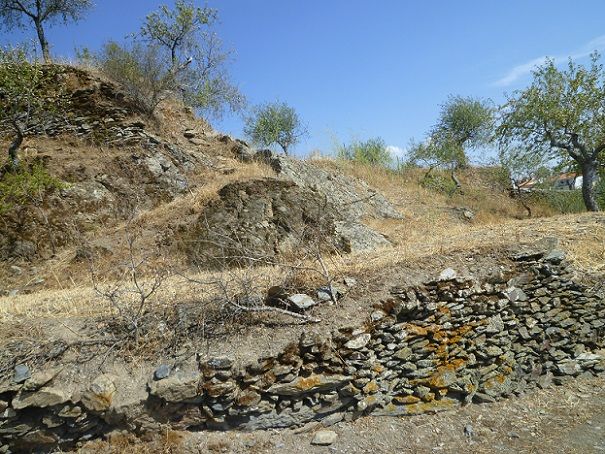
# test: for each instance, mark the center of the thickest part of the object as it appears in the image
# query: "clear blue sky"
(359, 69)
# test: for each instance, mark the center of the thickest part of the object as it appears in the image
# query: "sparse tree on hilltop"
(275, 123)
(560, 118)
(195, 59)
(17, 13)
(464, 123)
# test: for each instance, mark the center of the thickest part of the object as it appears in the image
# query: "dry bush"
(132, 296)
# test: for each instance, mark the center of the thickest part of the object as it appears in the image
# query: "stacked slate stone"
(429, 348)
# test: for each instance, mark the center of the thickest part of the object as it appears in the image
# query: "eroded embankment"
(430, 348)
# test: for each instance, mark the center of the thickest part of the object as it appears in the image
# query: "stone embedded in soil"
(21, 373)
(324, 438)
(99, 395)
(447, 274)
(301, 301)
(162, 372)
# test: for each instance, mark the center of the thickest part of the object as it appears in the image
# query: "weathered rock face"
(431, 348)
(265, 218)
(260, 219)
(353, 198)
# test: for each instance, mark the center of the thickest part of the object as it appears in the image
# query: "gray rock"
(350, 281)
(555, 256)
(447, 274)
(177, 389)
(45, 397)
(324, 438)
(162, 372)
(358, 342)
(21, 373)
(569, 367)
(495, 324)
(358, 237)
(301, 301)
(220, 363)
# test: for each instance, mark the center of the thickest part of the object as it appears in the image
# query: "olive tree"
(196, 61)
(274, 123)
(464, 123)
(39, 13)
(29, 97)
(140, 70)
(560, 118)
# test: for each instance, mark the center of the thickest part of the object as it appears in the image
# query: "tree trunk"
(456, 181)
(285, 148)
(43, 41)
(589, 176)
(13, 149)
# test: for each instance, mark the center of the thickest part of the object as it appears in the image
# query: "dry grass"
(582, 237)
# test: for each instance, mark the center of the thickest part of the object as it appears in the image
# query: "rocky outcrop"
(261, 219)
(354, 199)
(429, 348)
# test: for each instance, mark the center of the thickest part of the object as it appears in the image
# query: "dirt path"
(566, 419)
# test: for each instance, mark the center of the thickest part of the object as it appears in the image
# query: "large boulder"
(260, 219)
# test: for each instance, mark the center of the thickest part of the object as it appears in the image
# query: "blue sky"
(356, 69)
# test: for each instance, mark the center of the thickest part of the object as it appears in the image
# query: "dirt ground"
(564, 419)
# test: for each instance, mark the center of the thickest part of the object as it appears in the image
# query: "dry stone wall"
(429, 348)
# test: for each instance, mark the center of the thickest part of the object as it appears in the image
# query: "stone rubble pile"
(429, 348)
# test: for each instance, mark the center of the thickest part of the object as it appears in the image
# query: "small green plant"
(26, 185)
(372, 151)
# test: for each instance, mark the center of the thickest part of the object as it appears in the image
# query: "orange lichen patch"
(306, 383)
(443, 392)
(218, 389)
(431, 407)
(378, 368)
(416, 330)
(428, 397)
(443, 378)
(406, 400)
(444, 310)
(371, 388)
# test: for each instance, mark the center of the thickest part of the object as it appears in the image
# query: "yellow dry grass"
(582, 237)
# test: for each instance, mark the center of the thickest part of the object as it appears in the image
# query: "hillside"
(265, 288)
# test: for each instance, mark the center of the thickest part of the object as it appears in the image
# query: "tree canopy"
(197, 63)
(464, 123)
(19, 13)
(274, 123)
(560, 119)
(29, 97)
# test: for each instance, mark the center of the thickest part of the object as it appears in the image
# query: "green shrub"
(26, 185)
(372, 151)
(564, 202)
(438, 181)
